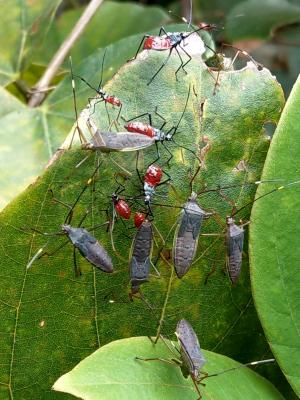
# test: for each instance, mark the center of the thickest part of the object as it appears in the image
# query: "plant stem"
(39, 95)
(163, 311)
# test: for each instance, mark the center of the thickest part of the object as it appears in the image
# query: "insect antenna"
(102, 67)
(81, 135)
(266, 194)
(253, 363)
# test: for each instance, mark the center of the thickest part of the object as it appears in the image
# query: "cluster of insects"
(141, 132)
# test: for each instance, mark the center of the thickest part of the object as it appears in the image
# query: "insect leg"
(140, 116)
(244, 53)
(171, 155)
(93, 105)
(181, 64)
(189, 60)
(137, 52)
(164, 360)
(160, 116)
(161, 67)
(108, 116)
(157, 154)
(162, 30)
(196, 387)
(76, 268)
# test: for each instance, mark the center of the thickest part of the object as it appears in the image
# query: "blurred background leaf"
(24, 25)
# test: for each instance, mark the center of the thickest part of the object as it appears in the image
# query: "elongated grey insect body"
(113, 141)
(140, 261)
(191, 354)
(187, 234)
(234, 249)
(89, 247)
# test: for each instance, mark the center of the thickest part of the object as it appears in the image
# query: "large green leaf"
(62, 319)
(48, 125)
(258, 18)
(112, 373)
(275, 249)
(112, 21)
(23, 25)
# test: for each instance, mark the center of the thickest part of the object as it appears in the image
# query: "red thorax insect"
(158, 134)
(101, 96)
(169, 41)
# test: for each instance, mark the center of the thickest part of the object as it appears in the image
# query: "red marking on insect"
(140, 127)
(122, 208)
(139, 218)
(206, 26)
(153, 175)
(113, 100)
(157, 43)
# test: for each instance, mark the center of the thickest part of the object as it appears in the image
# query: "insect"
(187, 235)
(158, 135)
(190, 358)
(101, 96)
(112, 141)
(82, 240)
(168, 41)
(151, 180)
(218, 62)
(140, 259)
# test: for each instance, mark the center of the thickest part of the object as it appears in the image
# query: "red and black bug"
(159, 135)
(101, 96)
(169, 41)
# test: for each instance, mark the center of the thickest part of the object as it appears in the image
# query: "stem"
(163, 311)
(38, 97)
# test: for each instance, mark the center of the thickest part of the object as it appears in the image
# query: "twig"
(39, 95)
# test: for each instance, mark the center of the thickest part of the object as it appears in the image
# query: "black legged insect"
(218, 62)
(187, 235)
(168, 41)
(158, 134)
(88, 246)
(140, 258)
(190, 358)
(101, 95)
(105, 141)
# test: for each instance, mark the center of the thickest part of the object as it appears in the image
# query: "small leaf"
(258, 18)
(275, 250)
(112, 372)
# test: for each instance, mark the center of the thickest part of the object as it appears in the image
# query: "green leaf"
(274, 245)
(61, 318)
(112, 372)
(42, 130)
(112, 21)
(23, 26)
(259, 18)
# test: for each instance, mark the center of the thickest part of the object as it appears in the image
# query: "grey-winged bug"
(234, 248)
(187, 234)
(82, 240)
(140, 258)
(89, 247)
(191, 359)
